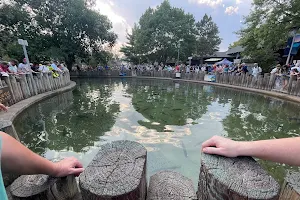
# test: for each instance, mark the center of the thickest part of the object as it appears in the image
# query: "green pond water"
(171, 119)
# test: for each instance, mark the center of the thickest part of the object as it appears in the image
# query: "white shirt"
(24, 68)
(259, 70)
(255, 71)
(187, 69)
(274, 70)
(298, 68)
(44, 69)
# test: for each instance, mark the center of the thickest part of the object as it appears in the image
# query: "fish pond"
(171, 119)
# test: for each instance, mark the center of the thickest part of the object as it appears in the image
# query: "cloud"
(120, 25)
(231, 10)
(238, 2)
(210, 3)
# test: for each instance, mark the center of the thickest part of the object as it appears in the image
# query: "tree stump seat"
(117, 172)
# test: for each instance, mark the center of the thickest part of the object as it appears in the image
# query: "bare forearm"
(16, 158)
(280, 150)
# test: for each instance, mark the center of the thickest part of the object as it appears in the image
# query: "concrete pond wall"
(118, 171)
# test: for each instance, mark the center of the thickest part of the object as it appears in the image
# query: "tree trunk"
(235, 179)
(170, 185)
(38, 187)
(291, 187)
(117, 172)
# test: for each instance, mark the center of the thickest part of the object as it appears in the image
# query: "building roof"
(213, 60)
(234, 50)
(219, 54)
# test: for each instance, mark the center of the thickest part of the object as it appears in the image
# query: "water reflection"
(159, 100)
(69, 121)
(170, 119)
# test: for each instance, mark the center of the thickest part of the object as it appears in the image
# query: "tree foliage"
(162, 31)
(207, 37)
(267, 28)
(59, 29)
(235, 44)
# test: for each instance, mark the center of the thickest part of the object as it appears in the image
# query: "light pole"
(24, 43)
(178, 53)
(294, 32)
(179, 41)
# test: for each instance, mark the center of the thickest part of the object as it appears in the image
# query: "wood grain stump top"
(235, 178)
(117, 172)
(43, 187)
(291, 187)
(31, 185)
(170, 185)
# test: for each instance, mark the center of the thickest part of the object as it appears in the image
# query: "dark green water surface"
(170, 119)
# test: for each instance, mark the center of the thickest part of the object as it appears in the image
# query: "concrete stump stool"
(117, 172)
(234, 179)
(38, 187)
(168, 185)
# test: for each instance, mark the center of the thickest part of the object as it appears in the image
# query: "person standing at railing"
(3, 72)
(276, 69)
(244, 68)
(233, 69)
(226, 69)
(12, 67)
(255, 70)
(285, 77)
(24, 67)
(197, 69)
(204, 68)
(35, 67)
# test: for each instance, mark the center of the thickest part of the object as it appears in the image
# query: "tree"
(235, 44)
(160, 33)
(63, 28)
(207, 37)
(267, 29)
(129, 50)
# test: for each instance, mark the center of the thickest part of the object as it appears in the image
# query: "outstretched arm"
(18, 159)
(280, 150)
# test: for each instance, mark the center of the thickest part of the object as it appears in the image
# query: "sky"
(227, 14)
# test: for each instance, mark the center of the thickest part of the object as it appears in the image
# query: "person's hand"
(221, 146)
(3, 107)
(68, 166)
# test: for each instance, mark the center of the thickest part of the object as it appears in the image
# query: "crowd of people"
(236, 69)
(283, 74)
(15, 68)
